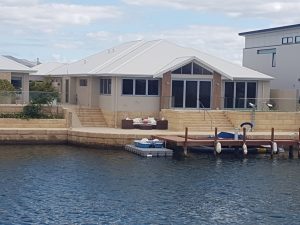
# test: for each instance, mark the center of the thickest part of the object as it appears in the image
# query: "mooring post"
(298, 143)
(185, 142)
(216, 140)
(272, 141)
(291, 152)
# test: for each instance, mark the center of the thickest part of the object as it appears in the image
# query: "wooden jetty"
(186, 141)
(149, 152)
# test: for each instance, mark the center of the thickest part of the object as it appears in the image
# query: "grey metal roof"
(46, 68)
(152, 58)
(270, 29)
(8, 65)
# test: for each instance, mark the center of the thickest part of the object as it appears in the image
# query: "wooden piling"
(185, 142)
(291, 152)
(215, 141)
(298, 144)
(272, 141)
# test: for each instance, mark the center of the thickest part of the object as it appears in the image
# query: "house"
(148, 76)
(18, 75)
(276, 52)
(44, 70)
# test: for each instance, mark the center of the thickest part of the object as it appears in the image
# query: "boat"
(145, 143)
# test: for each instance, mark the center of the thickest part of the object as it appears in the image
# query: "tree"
(41, 93)
(7, 91)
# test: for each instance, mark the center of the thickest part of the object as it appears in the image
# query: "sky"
(69, 30)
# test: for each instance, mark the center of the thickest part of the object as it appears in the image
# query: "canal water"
(72, 185)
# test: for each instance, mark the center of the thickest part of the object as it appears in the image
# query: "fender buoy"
(245, 149)
(218, 147)
(275, 149)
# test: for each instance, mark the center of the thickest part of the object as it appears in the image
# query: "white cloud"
(49, 16)
(267, 9)
(68, 45)
(100, 35)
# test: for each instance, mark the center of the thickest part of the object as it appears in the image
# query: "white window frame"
(105, 86)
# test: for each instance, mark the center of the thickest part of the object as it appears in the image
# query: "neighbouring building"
(18, 75)
(276, 52)
(148, 76)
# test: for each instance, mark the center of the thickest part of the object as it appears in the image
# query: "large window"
(297, 39)
(147, 87)
(105, 86)
(192, 68)
(240, 94)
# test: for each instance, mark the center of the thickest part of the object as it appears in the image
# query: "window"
(152, 87)
(140, 87)
(274, 59)
(83, 82)
(266, 51)
(16, 81)
(192, 68)
(127, 88)
(269, 51)
(187, 69)
(287, 40)
(297, 39)
(105, 86)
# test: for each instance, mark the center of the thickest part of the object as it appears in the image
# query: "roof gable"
(9, 65)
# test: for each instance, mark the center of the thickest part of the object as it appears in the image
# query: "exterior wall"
(5, 76)
(263, 94)
(165, 91)
(94, 91)
(265, 121)
(216, 91)
(83, 92)
(284, 100)
(287, 66)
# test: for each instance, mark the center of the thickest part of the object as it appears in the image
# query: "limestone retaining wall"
(264, 121)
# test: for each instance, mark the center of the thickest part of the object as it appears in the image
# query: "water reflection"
(70, 185)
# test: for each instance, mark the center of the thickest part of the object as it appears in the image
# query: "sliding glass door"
(191, 94)
(177, 93)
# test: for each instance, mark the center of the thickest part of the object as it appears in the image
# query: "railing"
(206, 112)
(24, 97)
(261, 104)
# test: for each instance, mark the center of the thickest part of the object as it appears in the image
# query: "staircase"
(91, 117)
(197, 121)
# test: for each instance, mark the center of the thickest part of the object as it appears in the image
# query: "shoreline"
(102, 137)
